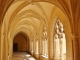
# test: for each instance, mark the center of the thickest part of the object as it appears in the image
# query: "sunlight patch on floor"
(22, 56)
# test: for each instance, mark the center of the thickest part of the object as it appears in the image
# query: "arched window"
(59, 42)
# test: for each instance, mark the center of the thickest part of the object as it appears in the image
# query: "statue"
(62, 43)
(59, 41)
(56, 47)
(45, 47)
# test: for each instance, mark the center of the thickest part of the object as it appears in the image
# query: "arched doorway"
(20, 43)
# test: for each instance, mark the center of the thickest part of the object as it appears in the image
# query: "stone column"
(46, 49)
(75, 46)
(5, 43)
(36, 47)
(5, 48)
(32, 46)
(43, 47)
(0, 41)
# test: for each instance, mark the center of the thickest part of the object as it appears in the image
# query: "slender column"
(46, 48)
(32, 46)
(43, 47)
(0, 41)
(5, 44)
(36, 47)
(36, 43)
(10, 48)
(75, 45)
(4, 50)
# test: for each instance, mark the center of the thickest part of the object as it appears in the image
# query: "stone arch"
(20, 28)
(26, 37)
(33, 14)
(11, 40)
(25, 22)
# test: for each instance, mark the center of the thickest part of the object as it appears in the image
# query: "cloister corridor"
(39, 29)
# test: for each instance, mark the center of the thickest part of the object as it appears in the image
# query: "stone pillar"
(32, 46)
(37, 47)
(4, 49)
(75, 46)
(46, 48)
(10, 48)
(43, 47)
(5, 44)
(0, 41)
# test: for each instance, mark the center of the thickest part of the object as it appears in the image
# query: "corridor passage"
(22, 56)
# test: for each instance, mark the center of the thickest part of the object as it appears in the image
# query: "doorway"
(15, 47)
(20, 43)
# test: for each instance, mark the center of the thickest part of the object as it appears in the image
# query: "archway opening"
(21, 43)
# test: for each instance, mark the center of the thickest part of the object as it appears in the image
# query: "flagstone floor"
(22, 56)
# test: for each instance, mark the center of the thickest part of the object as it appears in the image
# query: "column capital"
(75, 36)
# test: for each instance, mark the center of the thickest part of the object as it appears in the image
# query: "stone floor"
(21, 56)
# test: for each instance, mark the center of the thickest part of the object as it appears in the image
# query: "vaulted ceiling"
(29, 17)
(30, 14)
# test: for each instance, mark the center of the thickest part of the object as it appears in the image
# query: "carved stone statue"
(60, 24)
(59, 41)
(56, 47)
(45, 49)
(45, 34)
